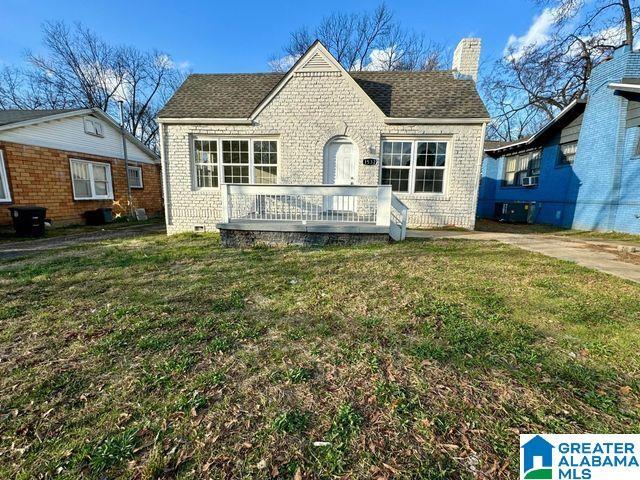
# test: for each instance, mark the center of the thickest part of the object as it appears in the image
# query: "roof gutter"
(625, 87)
(506, 147)
(434, 121)
(48, 118)
(205, 121)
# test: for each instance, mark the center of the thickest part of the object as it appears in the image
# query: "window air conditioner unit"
(529, 181)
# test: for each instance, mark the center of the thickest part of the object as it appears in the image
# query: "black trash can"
(28, 221)
(99, 216)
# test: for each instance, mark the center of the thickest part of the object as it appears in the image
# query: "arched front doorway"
(340, 168)
(340, 162)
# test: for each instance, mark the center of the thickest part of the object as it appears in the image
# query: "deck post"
(224, 197)
(383, 218)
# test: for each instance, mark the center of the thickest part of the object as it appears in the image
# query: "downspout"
(165, 176)
(126, 160)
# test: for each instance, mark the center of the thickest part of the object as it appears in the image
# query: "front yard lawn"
(175, 358)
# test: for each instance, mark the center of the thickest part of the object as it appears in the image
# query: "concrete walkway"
(587, 253)
(26, 248)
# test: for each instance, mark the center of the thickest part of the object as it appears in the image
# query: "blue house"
(582, 169)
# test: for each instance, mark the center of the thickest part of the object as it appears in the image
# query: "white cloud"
(538, 34)
(184, 65)
(384, 59)
(283, 64)
(617, 35)
(164, 60)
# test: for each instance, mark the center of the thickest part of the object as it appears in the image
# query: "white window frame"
(523, 166)
(138, 169)
(220, 164)
(108, 196)
(413, 165)
(93, 127)
(4, 179)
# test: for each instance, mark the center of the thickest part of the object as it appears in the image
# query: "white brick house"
(419, 132)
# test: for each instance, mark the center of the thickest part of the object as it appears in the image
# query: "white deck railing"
(322, 204)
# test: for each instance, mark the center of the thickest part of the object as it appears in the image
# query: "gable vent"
(317, 63)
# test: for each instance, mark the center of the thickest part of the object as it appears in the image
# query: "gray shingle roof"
(226, 95)
(398, 94)
(15, 116)
(422, 94)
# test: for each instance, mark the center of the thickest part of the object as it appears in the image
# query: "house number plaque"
(370, 161)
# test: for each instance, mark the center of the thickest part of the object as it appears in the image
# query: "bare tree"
(80, 70)
(531, 83)
(367, 41)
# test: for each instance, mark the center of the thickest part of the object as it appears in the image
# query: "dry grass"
(485, 225)
(174, 358)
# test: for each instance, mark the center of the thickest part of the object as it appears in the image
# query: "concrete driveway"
(596, 254)
(25, 248)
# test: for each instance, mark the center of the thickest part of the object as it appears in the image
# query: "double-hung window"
(206, 163)
(91, 180)
(5, 195)
(430, 161)
(396, 165)
(521, 165)
(416, 166)
(515, 167)
(235, 161)
(222, 160)
(265, 160)
(135, 177)
(534, 163)
(567, 153)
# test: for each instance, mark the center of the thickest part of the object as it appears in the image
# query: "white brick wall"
(466, 57)
(310, 110)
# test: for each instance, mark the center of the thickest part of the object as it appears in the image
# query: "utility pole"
(126, 160)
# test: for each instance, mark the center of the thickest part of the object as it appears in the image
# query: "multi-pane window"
(265, 160)
(206, 163)
(567, 153)
(135, 177)
(521, 165)
(5, 196)
(235, 161)
(534, 163)
(396, 165)
(430, 164)
(91, 180)
(414, 166)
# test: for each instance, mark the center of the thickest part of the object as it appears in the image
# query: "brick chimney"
(467, 57)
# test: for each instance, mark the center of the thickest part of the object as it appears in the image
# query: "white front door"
(341, 168)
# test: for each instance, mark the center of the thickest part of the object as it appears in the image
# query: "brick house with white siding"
(72, 161)
(421, 133)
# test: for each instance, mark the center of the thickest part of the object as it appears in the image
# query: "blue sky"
(241, 36)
